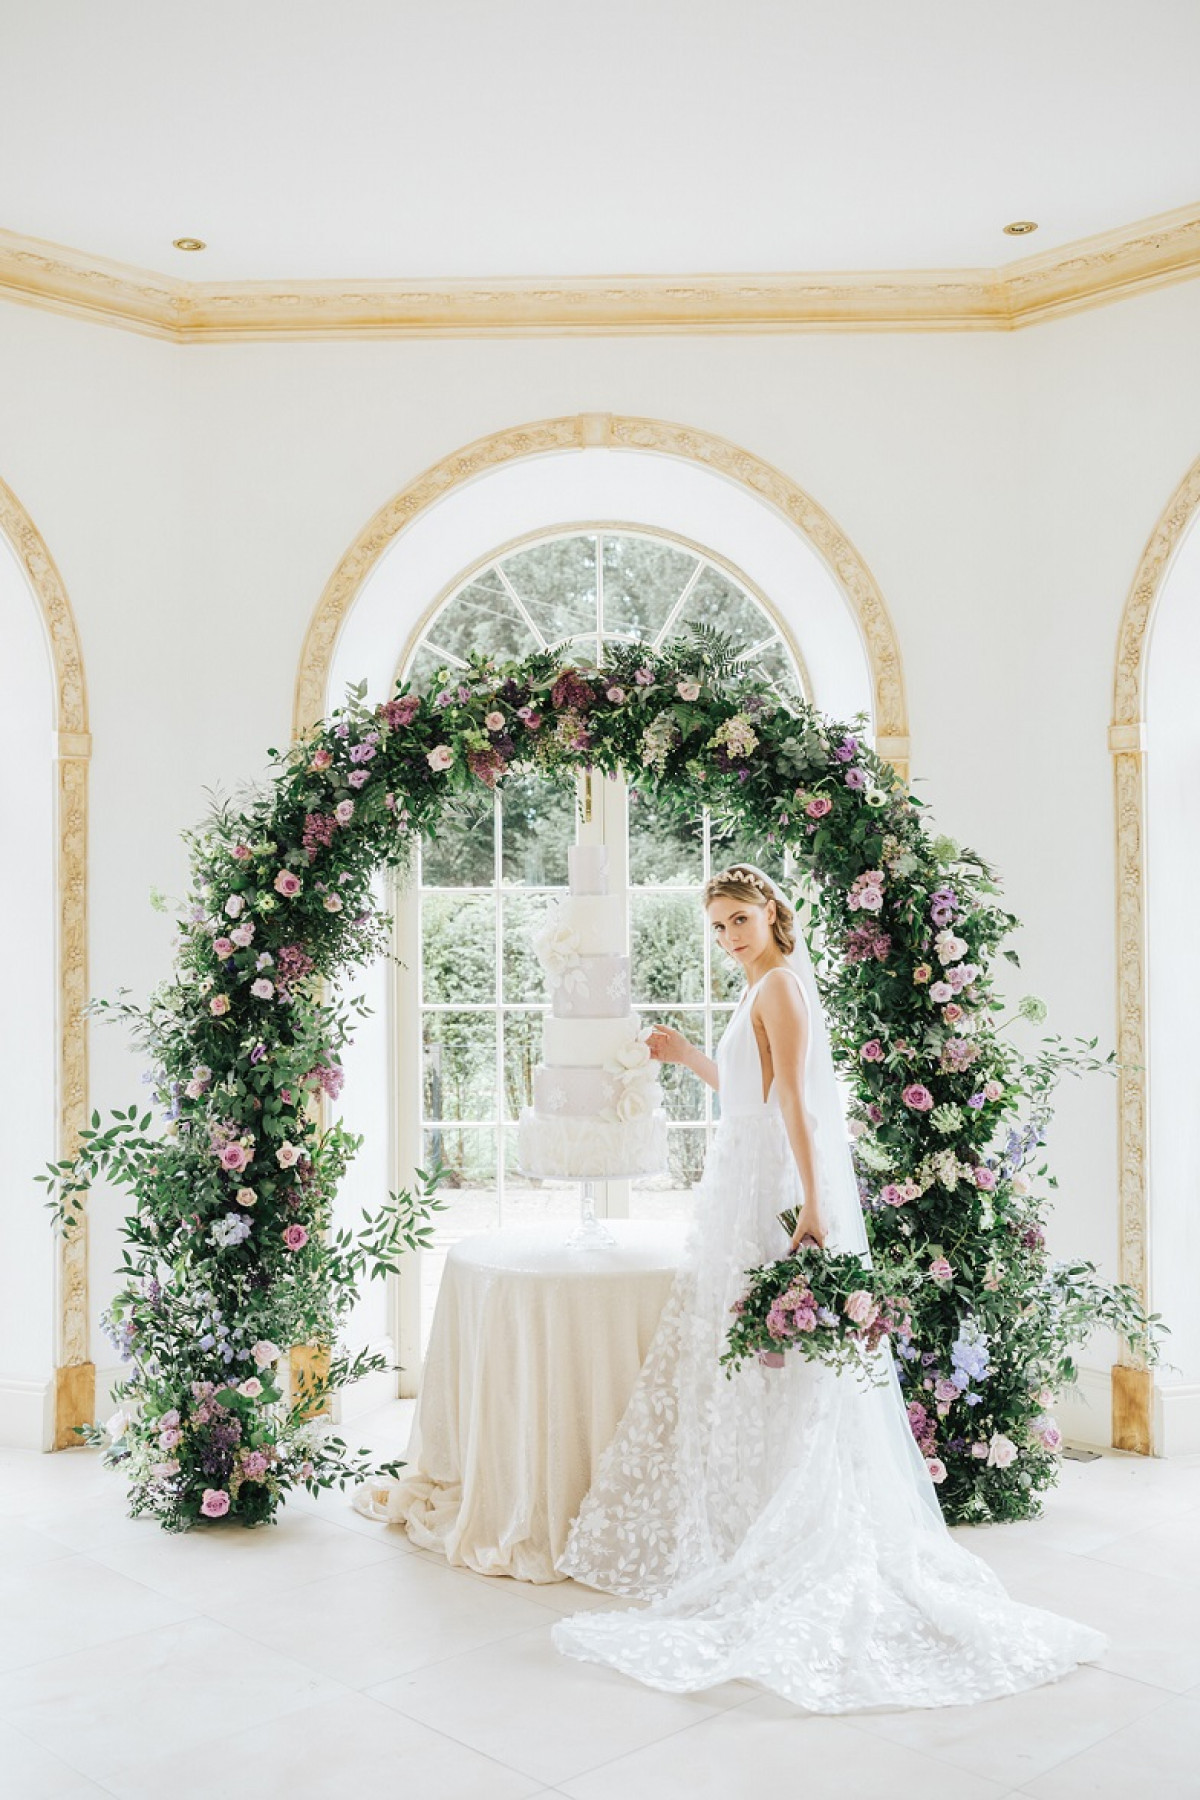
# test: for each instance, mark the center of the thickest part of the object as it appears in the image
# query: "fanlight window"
(498, 861)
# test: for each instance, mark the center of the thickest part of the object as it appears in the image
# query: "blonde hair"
(742, 881)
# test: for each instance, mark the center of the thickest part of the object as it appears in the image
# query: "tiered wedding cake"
(596, 1109)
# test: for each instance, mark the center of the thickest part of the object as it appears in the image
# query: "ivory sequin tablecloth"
(532, 1358)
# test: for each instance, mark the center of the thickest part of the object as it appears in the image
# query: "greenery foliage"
(230, 1252)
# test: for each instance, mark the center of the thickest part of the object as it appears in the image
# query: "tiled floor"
(328, 1657)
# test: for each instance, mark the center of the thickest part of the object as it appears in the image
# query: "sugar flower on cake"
(556, 947)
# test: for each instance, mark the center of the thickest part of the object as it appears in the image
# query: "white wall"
(1001, 488)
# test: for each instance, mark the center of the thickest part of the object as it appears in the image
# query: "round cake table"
(532, 1358)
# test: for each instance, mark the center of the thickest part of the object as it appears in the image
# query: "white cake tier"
(587, 868)
(587, 1043)
(596, 918)
(597, 987)
(584, 1148)
(578, 1092)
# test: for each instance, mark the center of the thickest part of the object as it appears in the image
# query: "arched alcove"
(584, 473)
(47, 1379)
(1156, 752)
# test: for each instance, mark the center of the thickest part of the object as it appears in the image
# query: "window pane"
(775, 666)
(717, 601)
(685, 1155)
(557, 582)
(458, 947)
(458, 1065)
(643, 578)
(483, 617)
(730, 845)
(668, 948)
(528, 1201)
(538, 824)
(524, 915)
(469, 1190)
(522, 1048)
(463, 852)
(683, 1092)
(663, 851)
(726, 980)
(424, 668)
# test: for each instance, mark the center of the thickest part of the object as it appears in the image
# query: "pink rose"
(218, 1006)
(333, 903)
(252, 1387)
(262, 989)
(295, 1237)
(940, 1269)
(243, 935)
(306, 1471)
(495, 721)
(234, 905)
(940, 992)
(1001, 1451)
(234, 1157)
(892, 1195)
(979, 1452)
(223, 947)
(937, 1468)
(917, 1097)
(860, 1308)
(246, 1196)
(288, 1155)
(215, 1503)
(1049, 1435)
(359, 778)
(343, 812)
(921, 973)
(992, 1090)
(985, 1178)
(688, 690)
(952, 1013)
(945, 1393)
(818, 806)
(171, 1438)
(243, 852)
(321, 760)
(440, 758)
(265, 1352)
(872, 1051)
(287, 883)
(616, 695)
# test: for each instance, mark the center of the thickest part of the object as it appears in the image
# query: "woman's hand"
(668, 1046)
(809, 1224)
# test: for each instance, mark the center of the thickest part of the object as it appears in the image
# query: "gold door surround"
(1132, 1386)
(75, 1374)
(579, 431)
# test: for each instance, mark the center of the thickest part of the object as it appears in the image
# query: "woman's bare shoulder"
(780, 994)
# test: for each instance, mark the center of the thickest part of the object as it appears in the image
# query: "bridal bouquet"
(829, 1306)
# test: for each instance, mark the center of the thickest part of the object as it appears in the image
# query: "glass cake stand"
(590, 1233)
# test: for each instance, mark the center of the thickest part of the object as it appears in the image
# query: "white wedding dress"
(782, 1523)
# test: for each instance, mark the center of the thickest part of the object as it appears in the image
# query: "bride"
(782, 1523)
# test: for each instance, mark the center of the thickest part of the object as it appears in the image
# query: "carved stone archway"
(1132, 1386)
(75, 1374)
(581, 431)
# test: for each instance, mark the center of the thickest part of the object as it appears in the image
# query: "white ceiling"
(381, 138)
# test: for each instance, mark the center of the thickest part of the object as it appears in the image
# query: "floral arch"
(230, 1252)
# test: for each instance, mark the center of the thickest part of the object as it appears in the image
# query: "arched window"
(472, 1024)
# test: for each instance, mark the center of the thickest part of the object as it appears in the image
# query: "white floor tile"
(28, 1772)
(769, 1747)
(349, 1748)
(379, 1622)
(1158, 1755)
(179, 1690)
(1022, 1735)
(536, 1710)
(74, 1604)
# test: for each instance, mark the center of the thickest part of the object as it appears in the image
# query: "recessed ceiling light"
(1021, 227)
(199, 243)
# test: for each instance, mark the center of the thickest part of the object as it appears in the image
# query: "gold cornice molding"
(598, 430)
(1149, 253)
(1133, 1397)
(75, 1377)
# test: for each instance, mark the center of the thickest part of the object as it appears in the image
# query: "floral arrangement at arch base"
(230, 1252)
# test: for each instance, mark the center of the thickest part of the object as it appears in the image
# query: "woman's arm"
(669, 1046)
(784, 1018)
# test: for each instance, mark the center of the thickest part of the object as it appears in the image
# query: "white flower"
(440, 758)
(235, 905)
(1001, 1451)
(631, 1103)
(262, 989)
(949, 947)
(633, 1055)
(288, 1155)
(120, 1422)
(556, 947)
(688, 690)
(265, 1352)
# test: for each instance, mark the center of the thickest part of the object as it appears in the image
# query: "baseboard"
(1084, 1412)
(26, 1413)
(1177, 1419)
